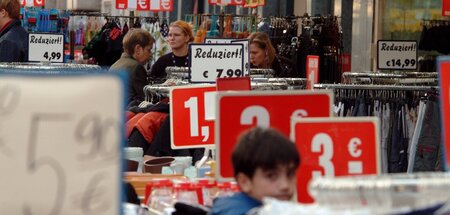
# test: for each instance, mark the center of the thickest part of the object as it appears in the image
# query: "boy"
(265, 164)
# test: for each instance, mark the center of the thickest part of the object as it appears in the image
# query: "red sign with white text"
(189, 107)
(312, 71)
(121, 4)
(445, 7)
(143, 5)
(227, 2)
(334, 147)
(161, 5)
(444, 82)
(239, 111)
(39, 3)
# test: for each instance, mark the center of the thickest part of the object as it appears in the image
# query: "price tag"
(312, 70)
(143, 5)
(212, 61)
(161, 5)
(444, 83)
(39, 3)
(246, 49)
(46, 47)
(239, 111)
(60, 141)
(335, 147)
(218, 40)
(445, 8)
(189, 126)
(399, 55)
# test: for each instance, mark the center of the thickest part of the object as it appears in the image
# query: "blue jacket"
(14, 43)
(237, 204)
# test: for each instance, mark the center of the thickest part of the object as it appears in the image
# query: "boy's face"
(277, 183)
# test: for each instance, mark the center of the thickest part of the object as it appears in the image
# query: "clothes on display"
(432, 43)
(401, 125)
(319, 36)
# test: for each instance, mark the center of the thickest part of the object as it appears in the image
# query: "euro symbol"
(165, 4)
(142, 4)
(353, 145)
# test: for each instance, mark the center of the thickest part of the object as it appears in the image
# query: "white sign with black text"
(246, 50)
(60, 144)
(46, 47)
(212, 61)
(399, 55)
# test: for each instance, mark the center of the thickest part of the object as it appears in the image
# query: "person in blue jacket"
(265, 164)
(13, 38)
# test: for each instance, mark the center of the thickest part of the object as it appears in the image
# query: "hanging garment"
(106, 46)
(427, 152)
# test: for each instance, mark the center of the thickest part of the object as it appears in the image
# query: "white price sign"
(212, 61)
(399, 55)
(46, 47)
(60, 141)
(244, 42)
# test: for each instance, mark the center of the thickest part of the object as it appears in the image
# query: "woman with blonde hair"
(263, 55)
(180, 35)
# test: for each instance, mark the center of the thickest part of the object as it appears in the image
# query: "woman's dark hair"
(264, 148)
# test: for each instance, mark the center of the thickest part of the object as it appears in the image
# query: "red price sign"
(227, 2)
(312, 70)
(143, 5)
(239, 111)
(39, 3)
(161, 5)
(189, 107)
(335, 147)
(444, 82)
(445, 7)
(121, 4)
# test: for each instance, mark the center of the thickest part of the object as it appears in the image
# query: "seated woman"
(180, 35)
(263, 56)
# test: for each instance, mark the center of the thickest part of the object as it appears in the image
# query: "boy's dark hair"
(264, 148)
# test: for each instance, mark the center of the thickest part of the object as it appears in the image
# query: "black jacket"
(14, 43)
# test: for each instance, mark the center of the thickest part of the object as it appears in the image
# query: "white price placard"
(398, 55)
(46, 47)
(212, 61)
(246, 50)
(60, 144)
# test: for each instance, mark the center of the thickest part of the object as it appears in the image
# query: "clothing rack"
(436, 21)
(177, 72)
(265, 72)
(224, 23)
(296, 83)
(48, 68)
(382, 193)
(391, 75)
(400, 78)
(376, 87)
